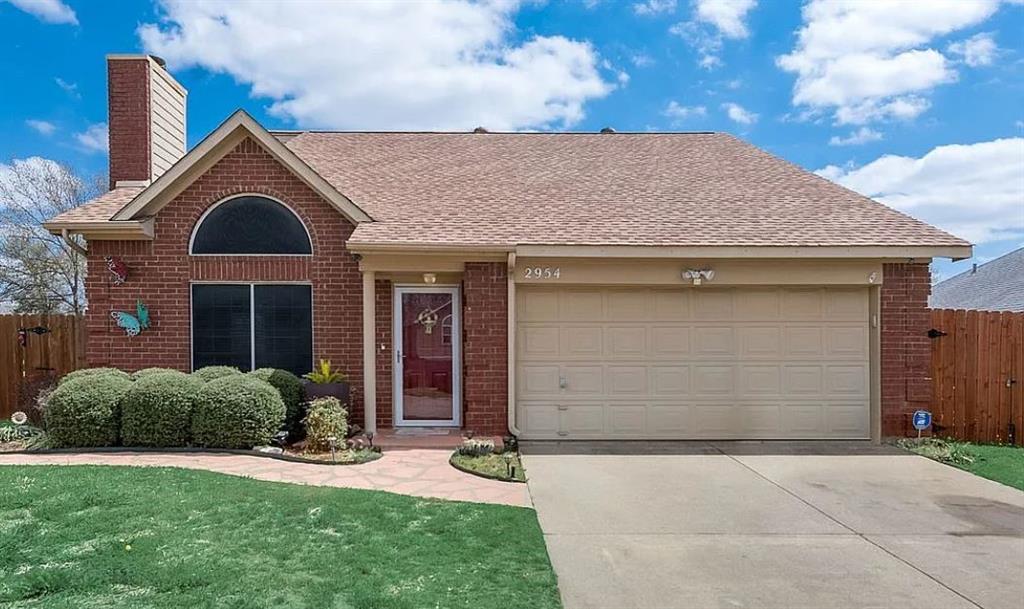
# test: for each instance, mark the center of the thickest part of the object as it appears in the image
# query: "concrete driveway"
(715, 525)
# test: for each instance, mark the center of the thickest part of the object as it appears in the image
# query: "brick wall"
(485, 347)
(385, 411)
(906, 350)
(128, 119)
(160, 272)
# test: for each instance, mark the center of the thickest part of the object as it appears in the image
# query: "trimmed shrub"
(236, 411)
(293, 394)
(326, 417)
(86, 372)
(210, 373)
(141, 374)
(85, 411)
(157, 410)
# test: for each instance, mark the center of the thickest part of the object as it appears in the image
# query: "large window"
(252, 326)
(251, 225)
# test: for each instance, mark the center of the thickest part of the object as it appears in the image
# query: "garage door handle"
(562, 383)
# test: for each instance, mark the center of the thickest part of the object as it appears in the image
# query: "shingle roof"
(99, 209)
(997, 285)
(681, 189)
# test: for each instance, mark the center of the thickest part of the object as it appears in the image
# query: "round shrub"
(85, 411)
(157, 410)
(326, 417)
(211, 373)
(236, 411)
(141, 374)
(292, 393)
(86, 372)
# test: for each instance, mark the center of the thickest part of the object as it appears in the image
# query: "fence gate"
(35, 350)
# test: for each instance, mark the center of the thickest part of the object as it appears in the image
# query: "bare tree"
(40, 272)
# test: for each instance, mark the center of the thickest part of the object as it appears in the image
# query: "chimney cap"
(607, 130)
(480, 130)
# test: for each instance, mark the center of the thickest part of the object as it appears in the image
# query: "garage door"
(770, 363)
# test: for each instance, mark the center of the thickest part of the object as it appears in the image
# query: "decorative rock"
(270, 450)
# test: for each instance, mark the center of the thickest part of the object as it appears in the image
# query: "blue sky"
(918, 104)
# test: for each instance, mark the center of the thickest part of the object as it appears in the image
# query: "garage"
(693, 362)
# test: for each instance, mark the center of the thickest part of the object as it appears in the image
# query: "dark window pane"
(251, 225)
(284, 327)
(220, 326)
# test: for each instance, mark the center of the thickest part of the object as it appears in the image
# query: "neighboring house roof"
(502, 190)
(997, 285)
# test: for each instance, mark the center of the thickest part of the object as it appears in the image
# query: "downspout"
(511, 358)
(66, 236)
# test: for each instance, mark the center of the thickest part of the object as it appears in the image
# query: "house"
(997, 285)
(555, 285)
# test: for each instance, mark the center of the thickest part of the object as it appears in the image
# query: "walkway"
(418, 472)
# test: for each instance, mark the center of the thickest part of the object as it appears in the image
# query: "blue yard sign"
(922, 420)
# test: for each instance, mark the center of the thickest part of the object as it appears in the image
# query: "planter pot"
(324, 390)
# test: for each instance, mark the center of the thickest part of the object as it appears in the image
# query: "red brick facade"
(485, 347)
(906, 351)
(128, 119)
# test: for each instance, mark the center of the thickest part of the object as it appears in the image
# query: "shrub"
(157, 410)
(85, 411)
(141, 374)
(236, 411)
(210, 373)
(87, 372)
(325, 417)
(292, 393)
(475, 447)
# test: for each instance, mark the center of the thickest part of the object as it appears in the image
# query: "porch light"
(429, 278)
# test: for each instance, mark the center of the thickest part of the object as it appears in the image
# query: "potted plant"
(324, 381)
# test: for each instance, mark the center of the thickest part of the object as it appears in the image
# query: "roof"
(997, 285)
(664, 189)
(99, 209)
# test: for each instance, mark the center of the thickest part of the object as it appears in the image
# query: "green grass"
(1001, 463)
(490, 465)
(113, 537)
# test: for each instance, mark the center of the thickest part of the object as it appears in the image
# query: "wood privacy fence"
(978, 375)
(45, 357)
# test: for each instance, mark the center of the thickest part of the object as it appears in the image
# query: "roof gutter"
(511, 337)
(66, 236)
(105, 230)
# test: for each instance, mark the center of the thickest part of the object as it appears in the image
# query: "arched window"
(251, 224)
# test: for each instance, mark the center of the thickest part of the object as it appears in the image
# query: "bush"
(141, 374)
(87, 372)
(326, 417)
(210, 373)
(292, 393)
(157, 410)
(236, 411)
(85, 411)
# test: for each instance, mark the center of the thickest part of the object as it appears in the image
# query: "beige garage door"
(702, 362)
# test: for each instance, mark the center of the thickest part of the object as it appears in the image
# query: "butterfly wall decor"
(117, 268)
(132, 324)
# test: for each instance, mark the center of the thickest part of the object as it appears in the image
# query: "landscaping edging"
(179, 450)
(466, 470)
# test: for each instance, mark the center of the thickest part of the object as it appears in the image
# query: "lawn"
(1001, 463)
(96, 536)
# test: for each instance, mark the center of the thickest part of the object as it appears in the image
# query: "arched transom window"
(251, 224)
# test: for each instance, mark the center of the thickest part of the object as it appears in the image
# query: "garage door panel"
(693, 363)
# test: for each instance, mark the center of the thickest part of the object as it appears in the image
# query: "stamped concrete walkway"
(417, 472)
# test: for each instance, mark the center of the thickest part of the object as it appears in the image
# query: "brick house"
(555, 285)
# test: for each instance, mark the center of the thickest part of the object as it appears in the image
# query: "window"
(253, 326)
(251, 224)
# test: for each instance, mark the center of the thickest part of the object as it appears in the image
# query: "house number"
(543, 272)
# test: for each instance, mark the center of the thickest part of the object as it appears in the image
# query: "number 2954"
(543, 272)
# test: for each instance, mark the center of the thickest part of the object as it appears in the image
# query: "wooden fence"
(24, 370)
(978, 375)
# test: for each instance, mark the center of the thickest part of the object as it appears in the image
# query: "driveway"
(710, 525)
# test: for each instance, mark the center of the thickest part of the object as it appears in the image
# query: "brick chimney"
(146, 118)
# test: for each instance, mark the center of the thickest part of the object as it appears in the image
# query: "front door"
(427, 370)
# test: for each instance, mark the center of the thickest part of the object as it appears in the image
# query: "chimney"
(146, 119)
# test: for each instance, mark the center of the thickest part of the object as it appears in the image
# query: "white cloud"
(40, 126)
(711, 22)
(50, 11)
(385, 65)
(95, 138)
(868, 61)
(856, 138)
(679, 113)
(739, 114)
(654, 7)
(641, 60)
(68, 87)
(974, 190)
(978, 50)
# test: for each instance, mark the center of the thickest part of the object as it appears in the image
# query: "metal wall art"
(118, 269)
(132, 324)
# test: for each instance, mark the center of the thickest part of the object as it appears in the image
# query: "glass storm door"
(427, 370)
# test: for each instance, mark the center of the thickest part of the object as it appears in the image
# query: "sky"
(917, 103)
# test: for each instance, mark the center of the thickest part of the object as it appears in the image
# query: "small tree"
(40, 272)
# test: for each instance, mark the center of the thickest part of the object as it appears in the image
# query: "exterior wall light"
(429, 278)
(698, 276)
